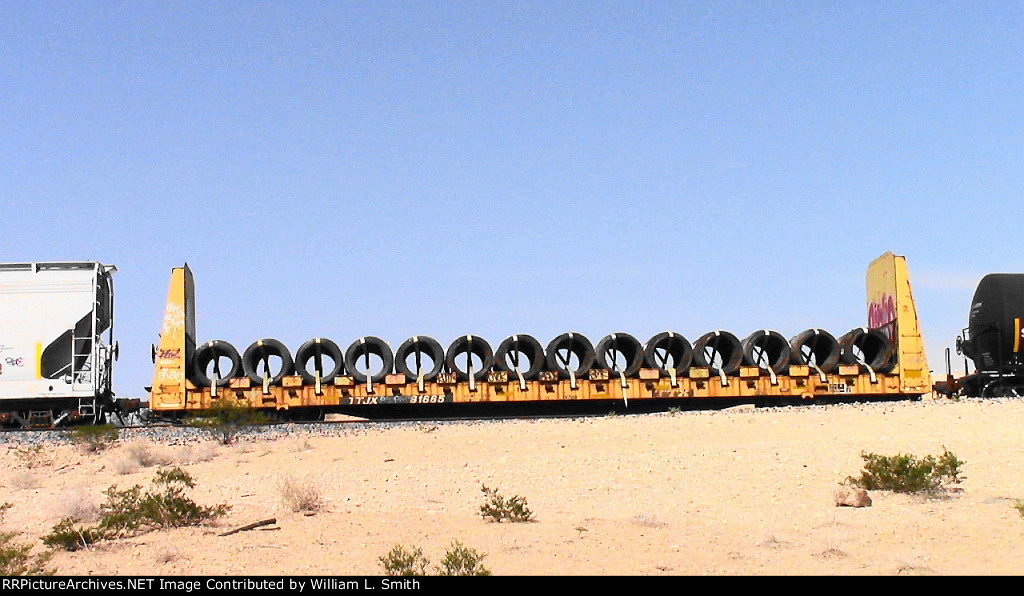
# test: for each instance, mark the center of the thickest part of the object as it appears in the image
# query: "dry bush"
(23, 480)
(93, 438)
(79, 506)
(832, 552)
(126, 466)
(36, 456)
(773, 543)
(191, 454)
(148, 455)
(167, 554)
(301, 496)
(302, 444)
(647, 521)
(141, 455)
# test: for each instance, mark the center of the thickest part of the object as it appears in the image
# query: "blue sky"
(342, 169)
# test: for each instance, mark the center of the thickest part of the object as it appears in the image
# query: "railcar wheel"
(470, 345)
(513, 349)
(416, 346)
(315, 349)
(365, 348)
(212, 352)
(1000, 388)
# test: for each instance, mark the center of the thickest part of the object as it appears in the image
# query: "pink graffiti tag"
(881, 314)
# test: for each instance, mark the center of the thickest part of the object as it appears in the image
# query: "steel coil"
(619, 353)
(314, 350)
(514, 349)
(570, 353)
(263, 351)
(667, 351)
(719, 351)
(768, 350)
(361, 350)
(866, 347)
(416, 347)
(815, 347)
(470, 345)
(212, 352)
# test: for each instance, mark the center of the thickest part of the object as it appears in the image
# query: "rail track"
(400, 416)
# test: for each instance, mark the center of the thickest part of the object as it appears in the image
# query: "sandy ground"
(740, 491)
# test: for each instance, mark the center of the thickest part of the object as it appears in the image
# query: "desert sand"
(741, 491)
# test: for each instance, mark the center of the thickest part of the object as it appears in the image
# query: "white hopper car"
(56, 343)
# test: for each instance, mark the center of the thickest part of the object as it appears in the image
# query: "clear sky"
(342, 169)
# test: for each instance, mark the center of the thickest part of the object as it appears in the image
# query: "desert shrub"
(78, 505)
(16, 558)
(167, 554)
(225, 419)
(458, 560)
(647, 521)
(36, 456)
(302, 444)
(140, 454)
(126, 466)
(499, 509)
(93, 438)
(190, 454)
(1019, 505)
(146, 455)
(168, 507)
(462, 560)
(403, 561)
(23, 480)
(69, 535)
(131, 511)
(301, 496)
(908, 473)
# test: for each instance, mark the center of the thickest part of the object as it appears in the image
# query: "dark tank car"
(993, 339)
